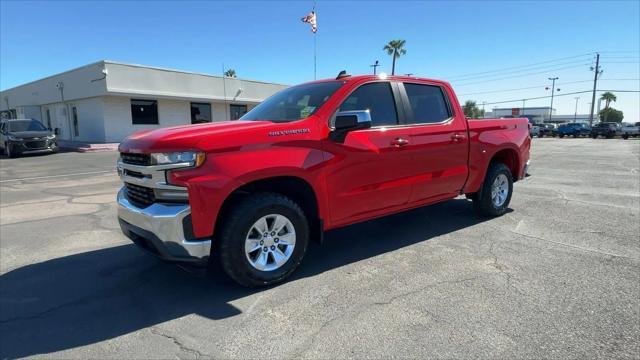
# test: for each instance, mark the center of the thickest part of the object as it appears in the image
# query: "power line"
(581, 61)
(522, 75)
(521, 66)
(541, 86)
(565, 94)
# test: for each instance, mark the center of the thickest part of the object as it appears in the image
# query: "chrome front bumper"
(160, 229)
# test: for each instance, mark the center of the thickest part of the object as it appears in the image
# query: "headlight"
(51, 137)
(13, 138)
(193, 158)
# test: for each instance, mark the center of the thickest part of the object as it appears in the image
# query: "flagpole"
(315, 48)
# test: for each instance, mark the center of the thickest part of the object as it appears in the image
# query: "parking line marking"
(55, 176)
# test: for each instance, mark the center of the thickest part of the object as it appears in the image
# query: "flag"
(311, 19)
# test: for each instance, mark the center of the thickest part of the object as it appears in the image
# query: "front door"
(371, 168)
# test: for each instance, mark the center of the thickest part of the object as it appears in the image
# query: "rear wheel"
(625, 136)
(263, 239)
(561, 136)
(594, 136)
(495, 195)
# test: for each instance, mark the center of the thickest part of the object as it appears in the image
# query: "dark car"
(26, 136)
(574, 129)
(547, 130)
(606, 129)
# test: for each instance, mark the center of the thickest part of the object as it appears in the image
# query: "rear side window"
(428, 103)
(378, 99)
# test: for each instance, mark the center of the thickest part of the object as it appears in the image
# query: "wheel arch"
(294, 187)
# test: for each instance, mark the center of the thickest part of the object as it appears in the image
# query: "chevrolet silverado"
(251, 194)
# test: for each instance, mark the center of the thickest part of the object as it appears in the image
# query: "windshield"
(25, 125)
(294, 103)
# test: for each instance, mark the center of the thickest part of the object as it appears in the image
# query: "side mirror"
(349, 121)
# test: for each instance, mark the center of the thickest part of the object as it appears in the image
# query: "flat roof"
(138, 66)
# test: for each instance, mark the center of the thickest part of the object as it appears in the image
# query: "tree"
(610, 115)
(230, 73)
(395, 48)
(608, 98)
(471, 110)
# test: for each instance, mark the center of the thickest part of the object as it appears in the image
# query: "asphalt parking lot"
(557, 277)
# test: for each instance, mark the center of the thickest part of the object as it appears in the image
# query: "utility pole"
(553, 89)
(595, 82)
(374, 66)
(575, 114)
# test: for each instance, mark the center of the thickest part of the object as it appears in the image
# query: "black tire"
(561, 136)
(625, 136)
(594, 136)
(483, 203)
(575, 135)
(237, 224)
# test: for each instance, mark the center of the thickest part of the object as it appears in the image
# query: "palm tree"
(608, 98)
(230, 73)
(395, 48)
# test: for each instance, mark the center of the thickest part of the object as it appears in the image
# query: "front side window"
(376, 97)
(294, 103)
(144, 112)
(428, 103)
(200, 113)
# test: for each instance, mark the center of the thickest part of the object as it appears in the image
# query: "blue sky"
(266, 41)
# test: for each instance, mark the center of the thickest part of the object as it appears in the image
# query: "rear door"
(438, 141)
(370, 169)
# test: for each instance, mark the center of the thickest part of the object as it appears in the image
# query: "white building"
(106, 101)
(540, 115)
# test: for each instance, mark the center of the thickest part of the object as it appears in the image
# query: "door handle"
(458, 137)
(399, 142)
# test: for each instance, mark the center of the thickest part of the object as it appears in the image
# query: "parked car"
(252, 193)
(574, 129)
(630, 130)
(26, 136)
(548, 130)
(606, 129)
(534, 130)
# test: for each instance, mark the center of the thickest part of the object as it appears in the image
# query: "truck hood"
(192, 137)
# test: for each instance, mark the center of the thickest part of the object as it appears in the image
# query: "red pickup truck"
(252, 193)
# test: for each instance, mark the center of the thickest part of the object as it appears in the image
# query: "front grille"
(140, 196)
(35, 144)
(136, 159)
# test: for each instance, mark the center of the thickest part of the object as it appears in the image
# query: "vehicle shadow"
(98, 295)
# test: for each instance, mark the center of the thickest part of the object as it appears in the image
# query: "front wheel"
(495, 195)
(263, 239)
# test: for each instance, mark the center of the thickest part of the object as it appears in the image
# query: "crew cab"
(574, 129)
(606, 129)
(251, 194)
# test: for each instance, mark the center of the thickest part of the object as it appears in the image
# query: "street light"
(553, 89)
(575, 114)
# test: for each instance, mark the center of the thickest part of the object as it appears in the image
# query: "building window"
(144, 112)
(200, 113)
(76, 128)
(237, 111)
(48, 118)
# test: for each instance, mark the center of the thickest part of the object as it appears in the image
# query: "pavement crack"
(179, 344)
